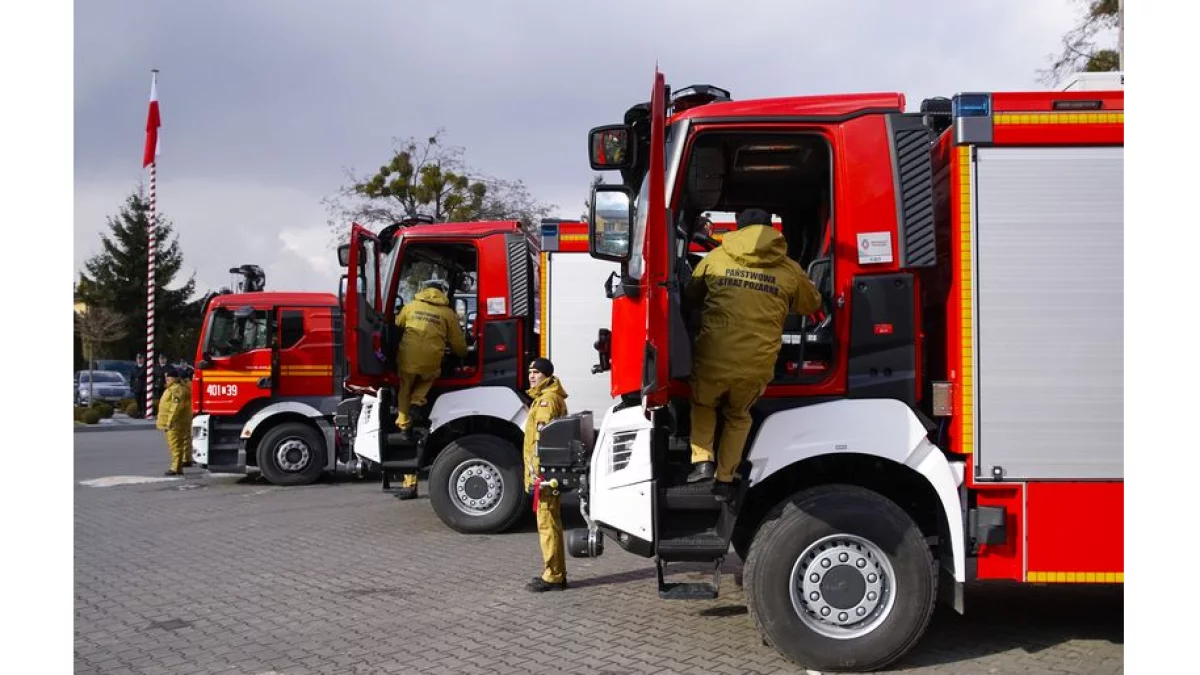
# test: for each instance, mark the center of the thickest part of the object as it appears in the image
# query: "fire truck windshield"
(228, 334)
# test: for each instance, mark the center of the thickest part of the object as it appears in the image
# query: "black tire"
(304, 472)
(810, 516)
(490, 457)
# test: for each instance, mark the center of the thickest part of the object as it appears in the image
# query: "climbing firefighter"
(175, 418)
(428, 325)
(744, 289)
(549, 403)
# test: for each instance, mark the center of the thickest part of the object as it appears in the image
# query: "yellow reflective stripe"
(1075, 577)
(1027, 119)
(544, 319)
(967, 375)
(572, 237)
(231, 380)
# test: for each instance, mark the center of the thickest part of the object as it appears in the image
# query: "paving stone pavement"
(216, 575)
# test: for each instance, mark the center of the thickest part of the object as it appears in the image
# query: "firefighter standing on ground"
(184, 378)
(745, 288)
(429, 325)
(549, 403)
(175, 418)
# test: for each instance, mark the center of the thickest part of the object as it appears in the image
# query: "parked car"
(101, 385)
(125, 368)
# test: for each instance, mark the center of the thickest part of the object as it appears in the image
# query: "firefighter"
(429, 325)
(549, 403)
(744, 289)
(175, 418)
(184, 376)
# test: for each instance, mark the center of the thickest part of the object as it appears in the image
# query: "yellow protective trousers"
(412, 391)
(179, 442)
(734, 399)
(550, 535)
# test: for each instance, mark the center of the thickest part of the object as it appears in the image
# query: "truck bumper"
(200, 439)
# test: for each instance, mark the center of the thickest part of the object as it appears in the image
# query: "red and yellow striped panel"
(966, 382)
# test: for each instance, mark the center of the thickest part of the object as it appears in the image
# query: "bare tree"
(97, 326)
(597, 179)
(1079, 46)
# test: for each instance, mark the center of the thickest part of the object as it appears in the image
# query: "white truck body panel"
(576, 311)
(200, 439)
(620, 482)
(877, 427)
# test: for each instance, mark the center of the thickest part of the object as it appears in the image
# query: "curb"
(92, 428)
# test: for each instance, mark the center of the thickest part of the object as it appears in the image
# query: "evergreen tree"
(116, 278)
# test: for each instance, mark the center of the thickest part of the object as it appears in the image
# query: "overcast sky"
(267, 103)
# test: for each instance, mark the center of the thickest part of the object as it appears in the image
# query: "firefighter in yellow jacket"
(549, 403)
(175, 418)
(429, 325)
(745, 289)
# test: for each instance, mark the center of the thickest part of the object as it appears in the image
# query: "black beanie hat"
(753, 217)
(543, 366)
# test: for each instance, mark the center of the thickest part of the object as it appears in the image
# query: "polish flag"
(152, 125)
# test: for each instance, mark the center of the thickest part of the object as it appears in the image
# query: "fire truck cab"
(518, 296)
(268, 378)
(954, 410)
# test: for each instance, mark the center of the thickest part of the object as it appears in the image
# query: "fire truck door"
(365, 318)
(656, 282)
(238, 342)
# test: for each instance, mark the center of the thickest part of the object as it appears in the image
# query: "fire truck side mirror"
(610, 217)
(610, 147)
(344, 255)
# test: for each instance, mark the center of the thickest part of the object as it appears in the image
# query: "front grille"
(622, 449)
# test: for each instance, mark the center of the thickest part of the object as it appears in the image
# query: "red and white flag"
(152, 124)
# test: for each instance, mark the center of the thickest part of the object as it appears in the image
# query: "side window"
(368, 273)
(256, 333)
(291, 327)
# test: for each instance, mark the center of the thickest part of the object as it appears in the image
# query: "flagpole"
(152, 250)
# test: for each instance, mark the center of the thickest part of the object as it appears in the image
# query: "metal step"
(404, 465)
(396, 440)
(699, 547)
(669, 590)
(690, 497)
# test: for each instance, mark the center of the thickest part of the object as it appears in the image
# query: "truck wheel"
(292, 453)
(476, 484)
(839, 579)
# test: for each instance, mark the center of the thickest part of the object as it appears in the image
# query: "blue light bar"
(972, 105)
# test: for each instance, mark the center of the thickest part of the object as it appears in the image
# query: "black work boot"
(722, 490)
(539, 585)
(406, 493)
(702, 471)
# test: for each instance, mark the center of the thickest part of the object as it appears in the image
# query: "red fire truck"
(519, 296)
(962, 419)
(268, 379)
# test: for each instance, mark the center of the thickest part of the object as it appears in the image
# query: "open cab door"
(363, 308)
(657, 283)
(635, 235)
